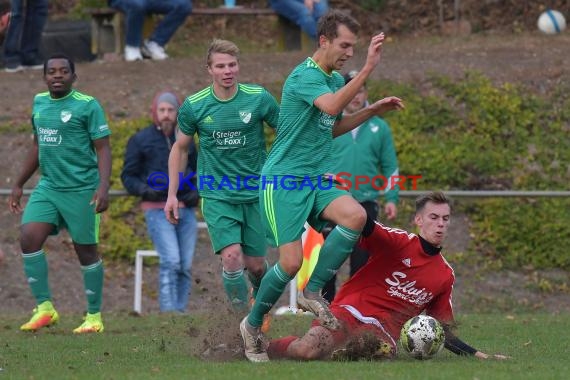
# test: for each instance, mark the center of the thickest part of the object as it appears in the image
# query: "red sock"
(278, 347)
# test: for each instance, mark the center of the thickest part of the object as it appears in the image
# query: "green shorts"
(235, 223)
(71, 210)
(287, 204)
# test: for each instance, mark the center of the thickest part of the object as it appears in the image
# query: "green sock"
(334, 252)
(235, 286)
(93, 282)
(36, 270)
(256, 281)
(272, 286)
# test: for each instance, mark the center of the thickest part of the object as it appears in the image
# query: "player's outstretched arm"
(458, 347)
(378, 108)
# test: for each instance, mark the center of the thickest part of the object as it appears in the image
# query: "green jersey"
(232, 143)
(303, 146)
(65, 129)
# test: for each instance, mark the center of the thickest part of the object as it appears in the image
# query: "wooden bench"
(108, 36)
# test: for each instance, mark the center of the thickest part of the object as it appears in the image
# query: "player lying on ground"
(405, 276)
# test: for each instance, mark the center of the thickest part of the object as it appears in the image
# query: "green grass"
(167, 347)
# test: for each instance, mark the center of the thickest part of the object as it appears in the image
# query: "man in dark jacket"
(145, 174)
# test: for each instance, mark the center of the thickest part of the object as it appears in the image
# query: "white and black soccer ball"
(422, 337)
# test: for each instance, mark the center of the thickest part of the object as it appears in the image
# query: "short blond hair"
(221, 46)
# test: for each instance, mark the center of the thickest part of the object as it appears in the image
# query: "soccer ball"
(551, 22)
(422, 337)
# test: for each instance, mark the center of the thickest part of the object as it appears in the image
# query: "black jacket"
(146, 155)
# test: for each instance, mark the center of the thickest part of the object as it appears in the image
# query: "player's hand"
(309, 4)
(482, 355)
(100, 200)
(390, 210)
(14, 200)
(374, 51)
(390, 103)
(171, 209)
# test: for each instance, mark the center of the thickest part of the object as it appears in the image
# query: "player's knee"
(29, 242)
(256, 269)
(232, 258)
(355, 217)
(360, 217)
(291, 267)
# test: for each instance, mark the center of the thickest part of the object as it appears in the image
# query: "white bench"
(139, 257)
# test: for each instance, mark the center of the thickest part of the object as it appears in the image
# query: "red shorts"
(350, 327)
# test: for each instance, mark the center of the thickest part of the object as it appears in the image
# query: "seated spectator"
(304, 13)
(135, 11)
(23, 34)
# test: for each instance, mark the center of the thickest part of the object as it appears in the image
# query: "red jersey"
(399, 281)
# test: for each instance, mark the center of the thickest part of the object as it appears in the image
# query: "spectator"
(135, 11)
(146, 156)
(367, 151)
(24, 34)
(304, 13)
(71, 149)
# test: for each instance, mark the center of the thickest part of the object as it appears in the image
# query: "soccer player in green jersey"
(294, 191)
(71, 149)
(228, 117)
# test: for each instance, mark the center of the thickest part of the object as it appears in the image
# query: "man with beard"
(144, 175)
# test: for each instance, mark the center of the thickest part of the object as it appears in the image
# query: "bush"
(123, 229)
(472, 135)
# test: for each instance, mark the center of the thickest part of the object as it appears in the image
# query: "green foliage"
(470, 134)
(518, 233)
(123, 227)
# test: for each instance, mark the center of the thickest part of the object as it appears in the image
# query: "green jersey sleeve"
(186, 119)
(96, 120)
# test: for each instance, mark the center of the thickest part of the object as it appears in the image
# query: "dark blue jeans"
(175, 12)
(175, 244)
(295, 11)
(23, 37)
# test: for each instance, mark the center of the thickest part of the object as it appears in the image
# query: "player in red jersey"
(404, 276)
